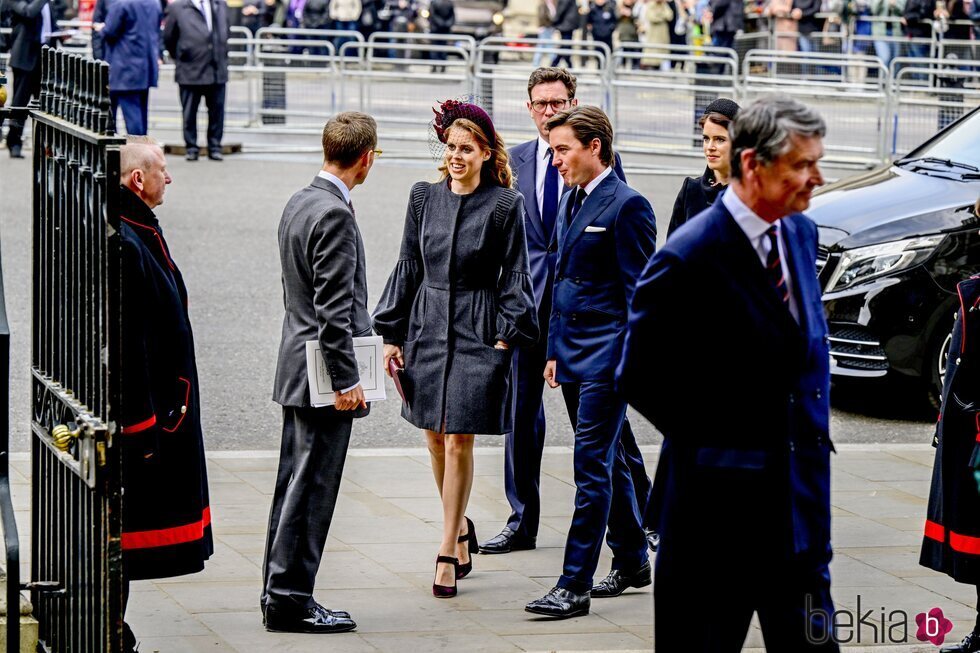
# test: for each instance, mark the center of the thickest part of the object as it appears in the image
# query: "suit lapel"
(592, 208)
(330, 187)
(527, 183)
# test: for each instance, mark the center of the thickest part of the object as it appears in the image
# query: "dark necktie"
(350, 205)
(774, 266)
(549, 207)
(576, 203)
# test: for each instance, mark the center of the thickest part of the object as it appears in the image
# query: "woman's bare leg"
(456, 486)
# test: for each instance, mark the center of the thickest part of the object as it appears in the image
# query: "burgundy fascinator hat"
(452, 110)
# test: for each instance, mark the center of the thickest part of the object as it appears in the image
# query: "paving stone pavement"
(379, 562)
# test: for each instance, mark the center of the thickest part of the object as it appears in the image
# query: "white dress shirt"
(592, 185)
(342, 187)
(204, 6)
(541, 169)
(755, 229)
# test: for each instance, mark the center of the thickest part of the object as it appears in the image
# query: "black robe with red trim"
(952, 532)
(166, 515)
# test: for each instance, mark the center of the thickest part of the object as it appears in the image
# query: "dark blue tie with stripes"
(774, 265)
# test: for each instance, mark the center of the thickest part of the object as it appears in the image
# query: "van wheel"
(938, 363)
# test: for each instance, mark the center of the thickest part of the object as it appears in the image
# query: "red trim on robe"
(167, 536)
(959, 543)
(156, 233)
(140, 426)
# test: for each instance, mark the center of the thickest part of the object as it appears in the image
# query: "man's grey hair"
(766, 126)
(137, 154)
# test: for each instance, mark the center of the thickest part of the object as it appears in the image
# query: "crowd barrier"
(288, 81)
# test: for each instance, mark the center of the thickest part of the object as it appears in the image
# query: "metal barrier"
(926, 96)
(680, 95)
(75, 508)
(845, 100)
(501, 67)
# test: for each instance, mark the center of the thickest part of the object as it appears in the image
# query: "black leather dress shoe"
(618, 581)
(508, 541)
(192, 155)
(653, 539)
(970, 644)
(215, 155)
(560, 603)
(314, 620)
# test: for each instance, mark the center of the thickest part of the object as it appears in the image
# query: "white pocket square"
(594, 230)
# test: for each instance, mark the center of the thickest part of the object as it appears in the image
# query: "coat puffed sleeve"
(517, 320)
(391, 315)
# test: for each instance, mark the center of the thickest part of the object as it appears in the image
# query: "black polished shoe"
(215, 155)
(316, 619)
(192, 155)
(970, 644)
(15, 152)
(508, 541)
(129, 640)
(618, 581)
(560, 603)
(653, 539)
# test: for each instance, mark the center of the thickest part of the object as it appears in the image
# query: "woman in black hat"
(698, 193)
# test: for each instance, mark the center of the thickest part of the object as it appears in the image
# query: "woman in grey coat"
(457, 301)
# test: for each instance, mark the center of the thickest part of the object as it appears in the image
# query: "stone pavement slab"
(379, 560)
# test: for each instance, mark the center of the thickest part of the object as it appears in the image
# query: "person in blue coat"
(550, 91)
(131, 42)
(727, 356)
(606, 234)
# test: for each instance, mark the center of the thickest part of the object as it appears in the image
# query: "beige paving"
(378, 562)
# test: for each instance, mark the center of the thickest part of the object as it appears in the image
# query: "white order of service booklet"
(369, 351)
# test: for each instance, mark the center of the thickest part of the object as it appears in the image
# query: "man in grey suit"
(325, 295)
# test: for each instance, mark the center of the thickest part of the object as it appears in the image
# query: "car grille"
(852, 347)
(822, 255)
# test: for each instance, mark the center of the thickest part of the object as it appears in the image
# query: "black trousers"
(311, 463)
(190, 100)
(27, 84)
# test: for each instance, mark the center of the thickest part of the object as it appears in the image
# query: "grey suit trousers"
(311, 463)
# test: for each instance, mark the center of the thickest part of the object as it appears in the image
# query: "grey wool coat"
(461, 283)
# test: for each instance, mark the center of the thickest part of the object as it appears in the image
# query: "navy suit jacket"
(541, 247)
(601, 254)
(738, 388)
(131, 40)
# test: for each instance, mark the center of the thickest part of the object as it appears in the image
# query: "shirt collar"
(592, 185)
(341, 186)
(543, 147)
(753, 226)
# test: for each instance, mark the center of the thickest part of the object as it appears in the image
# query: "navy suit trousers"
(135, 107)
(604, 487)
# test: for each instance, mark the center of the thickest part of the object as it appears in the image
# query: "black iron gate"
(75, 511)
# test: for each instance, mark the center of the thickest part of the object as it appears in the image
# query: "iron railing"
(76, 501)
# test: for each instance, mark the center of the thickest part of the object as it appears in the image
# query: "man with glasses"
(550, 91)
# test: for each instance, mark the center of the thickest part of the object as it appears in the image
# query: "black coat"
(727, 15)
(25, 35)
(952, 533)
(166, 515)
(201, 57)
(316, 14)
(809, 23)
(461, 283)
(603, 20)
(697, 194)
(442, 16)
(567, 18)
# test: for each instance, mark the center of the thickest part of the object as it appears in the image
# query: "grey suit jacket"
(324, 287)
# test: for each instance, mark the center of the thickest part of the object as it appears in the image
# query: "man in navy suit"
(550, 91)
(606, 235)
(727, 356)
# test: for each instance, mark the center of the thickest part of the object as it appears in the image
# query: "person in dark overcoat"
(952, 532)
(131, 41)
(28, 21)
(698, 193)
(196, 36)
(742, 403)
(166, 516)
(456, 304)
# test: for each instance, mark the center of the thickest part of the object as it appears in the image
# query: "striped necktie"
(774, 265)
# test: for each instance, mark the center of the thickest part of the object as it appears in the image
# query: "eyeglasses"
(378, 152)
(540, 106)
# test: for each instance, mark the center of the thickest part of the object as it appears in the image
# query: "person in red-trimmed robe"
(165, 514)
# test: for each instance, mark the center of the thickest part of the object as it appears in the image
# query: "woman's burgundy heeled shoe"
(445, 591)
(470, 537)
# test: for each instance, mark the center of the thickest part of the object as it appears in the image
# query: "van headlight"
(865, 263)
